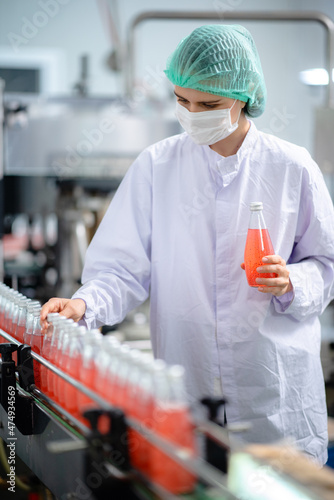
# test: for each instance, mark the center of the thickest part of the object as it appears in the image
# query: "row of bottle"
(143, 388)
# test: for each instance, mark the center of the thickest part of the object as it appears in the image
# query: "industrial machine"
(69, 155)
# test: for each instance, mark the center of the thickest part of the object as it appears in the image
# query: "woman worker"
(177, 227)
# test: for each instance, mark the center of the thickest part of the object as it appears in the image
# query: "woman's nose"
(193, 108)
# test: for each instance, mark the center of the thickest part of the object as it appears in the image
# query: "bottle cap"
(256, 205)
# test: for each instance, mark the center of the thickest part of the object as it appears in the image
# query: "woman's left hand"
(277, 286)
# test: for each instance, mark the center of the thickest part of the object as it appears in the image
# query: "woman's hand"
(277, 286)
(70, 308)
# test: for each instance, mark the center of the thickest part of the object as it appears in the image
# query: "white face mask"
(207, 127)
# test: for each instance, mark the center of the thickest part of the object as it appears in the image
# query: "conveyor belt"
(57, 450)
(76, 462)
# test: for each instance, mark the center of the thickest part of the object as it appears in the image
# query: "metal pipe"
(234, 16)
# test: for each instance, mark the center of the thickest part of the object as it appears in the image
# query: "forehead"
(197, 96)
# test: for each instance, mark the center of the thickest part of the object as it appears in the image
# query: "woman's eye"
(182, 100)
(209, 106)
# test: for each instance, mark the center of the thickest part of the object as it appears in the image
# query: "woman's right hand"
(70, 308)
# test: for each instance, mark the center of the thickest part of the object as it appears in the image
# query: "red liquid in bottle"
(71, 393)
(20, 332)
(60, 382)
(172, 423)
(109, 390)
(28, 338)
(44, 370)
(36, 347)
(10, 326)
(88, 379)
(50, 376)
(2, 316)
(139, 447)
(258, 245)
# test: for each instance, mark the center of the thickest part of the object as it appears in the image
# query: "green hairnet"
(222, 60)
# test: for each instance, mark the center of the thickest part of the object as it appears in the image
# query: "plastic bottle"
(36, 343)
(13, 314)
(20, 309)
(46, 347)
(258, 245)
(3, 300)
(87, 374)
(12, 295)
(6, 292)
(105, 357)
(72, 355)
(124, 379)
(58, 359)
(21, 318)
(114, 392)
(140, 394)
(61, 358)
(172, 421)
(32, 309)
(51, 376)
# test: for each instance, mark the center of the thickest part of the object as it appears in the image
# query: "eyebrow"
(200, 102)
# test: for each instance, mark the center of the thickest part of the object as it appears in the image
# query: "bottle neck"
(256, 220)
(177, 393)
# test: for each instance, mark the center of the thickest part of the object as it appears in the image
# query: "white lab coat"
(177, 228)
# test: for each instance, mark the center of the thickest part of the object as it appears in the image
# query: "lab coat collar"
(228, 167)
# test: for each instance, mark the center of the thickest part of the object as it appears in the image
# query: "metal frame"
(269, 16)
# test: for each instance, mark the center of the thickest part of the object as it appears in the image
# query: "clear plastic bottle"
(32, 309)
(46, 348)
(12, 295)
(51, 376)
(3, 300)
(92, 345)
(114, 384)
(72, 357)
(22, 319)
(60, 359)
(104, 358)
(173, 422)
(258, 245)
(13, 314)
(125, 369)
(140, 394)
(36, 343)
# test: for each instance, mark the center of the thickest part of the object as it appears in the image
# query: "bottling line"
(99, 440)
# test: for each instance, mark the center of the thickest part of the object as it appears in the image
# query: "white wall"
(69, 28)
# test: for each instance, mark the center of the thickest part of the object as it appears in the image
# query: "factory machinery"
(92, 449)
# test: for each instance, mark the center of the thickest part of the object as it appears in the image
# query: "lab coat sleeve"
(117, 269)
(311, 263)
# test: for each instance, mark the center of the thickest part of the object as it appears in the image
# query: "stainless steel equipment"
(233, 15)
(86, 146)
(323, 140)
(80, 137)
